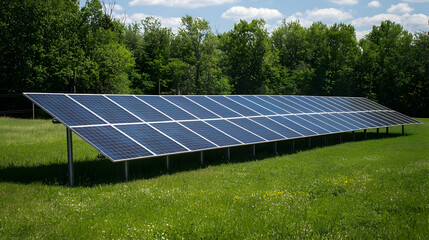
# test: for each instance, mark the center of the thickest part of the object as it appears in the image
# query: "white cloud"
(361, 34)
(410, 22)
(374, 4)
(168, 22)
(416, 1)
(327, 14)
(181, 3)
(324, 15)
(400, 8)
(239, 12)
(345, 2)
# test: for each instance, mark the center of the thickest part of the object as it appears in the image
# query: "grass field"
(378, 188)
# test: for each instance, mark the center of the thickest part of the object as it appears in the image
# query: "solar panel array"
(125, 127)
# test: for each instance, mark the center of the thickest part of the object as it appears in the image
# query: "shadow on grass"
(94, 172)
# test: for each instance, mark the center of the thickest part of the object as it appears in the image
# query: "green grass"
(378, 188)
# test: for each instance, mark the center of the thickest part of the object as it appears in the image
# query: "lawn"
(375, 188)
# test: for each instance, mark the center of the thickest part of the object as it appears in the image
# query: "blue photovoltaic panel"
(211, 133)
(257, 129)
(276, 127)
(104, 108)
(266, 104)
(112, 143)
(125, 127)
(278, 102)
(234, 106)
(293, 103)
(252, 105)
(64, 109)
(338, 123)
(245, 136)
(166, 107)
(151, 138)
(317, 121)
(213, 106)
(307, 124)
(183, 136)
(286, 122)
(305, 102)
(139, 108)
(191, 107)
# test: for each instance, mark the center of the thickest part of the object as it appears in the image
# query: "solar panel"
(125, 127)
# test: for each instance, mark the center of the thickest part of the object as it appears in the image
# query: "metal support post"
(254, 150)
(339, 138)
(275, 148)
(293, 145)
(403, 130)
(309, 143)
(228, 154)
(324, 140)
(126, 170)
(32, 105)
(167, 162)
(354, 135)
(364, 134)
(201, 158)
(378, 132)
(70, 157)
(387, 131)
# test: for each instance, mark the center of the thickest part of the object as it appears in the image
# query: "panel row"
(81, 109)
(131, 141)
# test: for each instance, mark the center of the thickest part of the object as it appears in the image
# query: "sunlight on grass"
(378, 188)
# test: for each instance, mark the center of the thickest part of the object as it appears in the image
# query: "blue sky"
(222, 14)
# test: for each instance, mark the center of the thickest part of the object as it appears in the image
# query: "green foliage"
(377, 188)
(60, 46)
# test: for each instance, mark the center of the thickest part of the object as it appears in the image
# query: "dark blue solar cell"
(337, 106)
(251, 105)
(183, 136)
(112, 143)
(234, 106)
(167, 108)
(327, 106)
(294, 103)
(139, 108)
(264, 103)
(354, 121)
(104, 108)
(308, 103)
(345, 104)
(64, 109)
(375, 120)
(307, 124)
(213, 106)
(381, 117)
(151, 138)
(356, 105)
(361, 120)
(390, 117)
(405, 118)
(276, 127)
(288, 123)
(235, 131)
(370, 104)
(257, 129)
(211, 133)
(315, 119)
(341, 121)
(374, 123)
(279, 102)
(191, 107)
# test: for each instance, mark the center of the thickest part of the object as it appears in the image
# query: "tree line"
(59, 46)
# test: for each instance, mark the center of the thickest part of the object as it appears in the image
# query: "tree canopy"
(59, 46)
